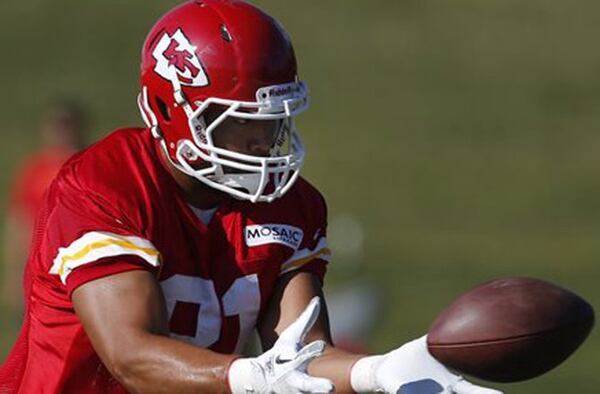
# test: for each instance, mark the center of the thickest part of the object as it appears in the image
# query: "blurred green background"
(461, 136)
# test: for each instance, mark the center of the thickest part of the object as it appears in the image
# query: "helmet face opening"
(228, 56)
(256, 178)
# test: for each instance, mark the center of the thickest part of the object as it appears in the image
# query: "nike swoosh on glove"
(282, 369)
(410, 369)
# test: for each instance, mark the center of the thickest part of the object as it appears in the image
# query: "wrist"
(363, 374)
(241, 376)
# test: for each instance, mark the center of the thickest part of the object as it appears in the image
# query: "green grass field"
(463, 135)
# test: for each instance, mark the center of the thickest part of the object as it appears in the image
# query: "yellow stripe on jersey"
(96, 245)
(101, 244)
(288, 266)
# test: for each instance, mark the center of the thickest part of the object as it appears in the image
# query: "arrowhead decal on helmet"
(175, 53)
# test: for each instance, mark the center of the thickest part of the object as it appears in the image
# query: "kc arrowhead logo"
(175, 54)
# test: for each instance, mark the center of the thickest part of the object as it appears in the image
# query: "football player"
(160, 249)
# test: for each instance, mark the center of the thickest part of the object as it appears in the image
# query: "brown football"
(510, 330)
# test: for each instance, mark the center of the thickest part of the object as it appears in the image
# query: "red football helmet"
(224, 54)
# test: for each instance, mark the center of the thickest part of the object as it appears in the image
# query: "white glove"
(410, 369)
(282, 369)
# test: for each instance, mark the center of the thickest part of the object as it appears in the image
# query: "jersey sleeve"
(313, 254)
(94, 234)
(102, 268)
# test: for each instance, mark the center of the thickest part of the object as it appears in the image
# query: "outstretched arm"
(125, 318)
(292, 294)
(410, 368)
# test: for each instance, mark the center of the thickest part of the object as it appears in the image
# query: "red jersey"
(115, 208)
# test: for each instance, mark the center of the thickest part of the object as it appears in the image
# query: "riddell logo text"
(283, 91)
(262, 234)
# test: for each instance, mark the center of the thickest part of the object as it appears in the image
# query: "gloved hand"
(410, 369)
(282, 369)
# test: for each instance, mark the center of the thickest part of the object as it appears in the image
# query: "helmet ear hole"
(164, 110)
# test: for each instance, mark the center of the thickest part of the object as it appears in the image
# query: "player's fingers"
(464, 387)
(308, 353)
(304, 383)
(296, 332)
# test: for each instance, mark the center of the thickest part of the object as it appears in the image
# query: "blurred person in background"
(61, 134)
(164, 247)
